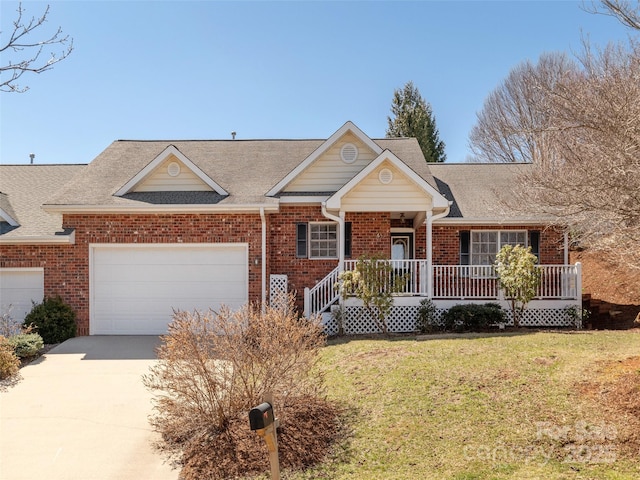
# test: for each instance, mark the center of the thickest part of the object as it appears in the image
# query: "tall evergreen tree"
(413, 117)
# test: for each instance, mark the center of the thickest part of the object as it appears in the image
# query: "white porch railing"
(465, 282)
(408, 277)
(323, 294)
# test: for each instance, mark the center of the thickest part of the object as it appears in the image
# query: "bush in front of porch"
(459, 318)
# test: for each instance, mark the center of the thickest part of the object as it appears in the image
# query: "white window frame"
(311, 240)
(499, 243)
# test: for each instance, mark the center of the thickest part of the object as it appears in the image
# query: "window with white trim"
(485, 244)
(323, 240)
(318, 240)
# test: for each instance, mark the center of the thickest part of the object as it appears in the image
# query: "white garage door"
(135, 288)
(19, 287)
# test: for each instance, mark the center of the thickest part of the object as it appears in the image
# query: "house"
(152, 226)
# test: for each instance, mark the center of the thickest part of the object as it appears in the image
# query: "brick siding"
(66, 267)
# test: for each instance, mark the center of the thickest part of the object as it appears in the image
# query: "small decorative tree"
(373, 282)
(518, 276)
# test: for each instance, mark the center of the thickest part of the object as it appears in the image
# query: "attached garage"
(134, 288)
(19, 288)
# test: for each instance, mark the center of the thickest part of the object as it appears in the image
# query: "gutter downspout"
(264, 258)
(430, 218)
(340, 221)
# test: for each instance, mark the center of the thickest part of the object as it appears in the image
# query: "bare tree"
(627, 11)
(26, 51)
(513, 124)
(593, 182)
(583, 144)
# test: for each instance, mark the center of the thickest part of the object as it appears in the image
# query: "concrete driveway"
(80, 412)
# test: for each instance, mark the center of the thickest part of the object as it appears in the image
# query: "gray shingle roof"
(481, 191)
(26, 189)
(247, 169)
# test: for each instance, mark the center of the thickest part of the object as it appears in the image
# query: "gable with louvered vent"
(171, 171)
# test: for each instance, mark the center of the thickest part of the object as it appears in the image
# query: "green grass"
(472, 407)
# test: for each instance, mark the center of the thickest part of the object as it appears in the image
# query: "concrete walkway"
(80, 412)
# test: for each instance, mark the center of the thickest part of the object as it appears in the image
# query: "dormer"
(171, 171)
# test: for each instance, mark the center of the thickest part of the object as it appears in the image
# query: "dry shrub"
(215, 366)
(9, 362)
(304, 439)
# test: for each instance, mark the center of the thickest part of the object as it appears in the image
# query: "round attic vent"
(349, 153)
(173, 169)
(385, 176)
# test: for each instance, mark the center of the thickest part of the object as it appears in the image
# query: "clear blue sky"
(199, 70)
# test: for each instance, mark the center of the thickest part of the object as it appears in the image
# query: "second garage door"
(135, 288)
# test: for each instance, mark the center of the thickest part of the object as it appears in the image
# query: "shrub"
(215, 366)
(427, 321)
(26, 345)
(373, 282)
(518, 277)
(54, 320)
(471, 316)
(9, 362)
(9, 326)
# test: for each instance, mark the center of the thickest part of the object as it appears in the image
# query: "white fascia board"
(166, 153)
(326, 145)
(334, 202)
(40, 240)
(491, 221)
(189, 208)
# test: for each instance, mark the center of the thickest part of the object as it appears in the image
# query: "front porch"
(447, 285)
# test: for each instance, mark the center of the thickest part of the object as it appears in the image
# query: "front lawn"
(479, 406)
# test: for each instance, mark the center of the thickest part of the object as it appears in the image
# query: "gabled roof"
(247, 169)
(348, 127)
(167, 153)
(439, 201)
(24, 189)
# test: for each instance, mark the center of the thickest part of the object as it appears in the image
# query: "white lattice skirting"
(403, 319)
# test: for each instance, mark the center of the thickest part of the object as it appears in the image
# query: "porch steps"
(604, 315)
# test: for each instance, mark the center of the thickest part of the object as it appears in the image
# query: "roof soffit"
(152, 171)
(348, 127)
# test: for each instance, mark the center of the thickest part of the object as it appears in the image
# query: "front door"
(401, 251)
(401, 246)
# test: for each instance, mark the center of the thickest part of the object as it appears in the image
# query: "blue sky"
(199, 70)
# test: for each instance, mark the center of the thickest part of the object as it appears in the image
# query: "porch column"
(342, 242)
(429, 224)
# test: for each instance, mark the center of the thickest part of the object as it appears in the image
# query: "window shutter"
(301, 240)
(534, 243)
(347, 239)
(465, 242)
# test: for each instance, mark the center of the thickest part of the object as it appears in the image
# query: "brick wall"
(370, 234)
(446, 243)
(66, 267)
